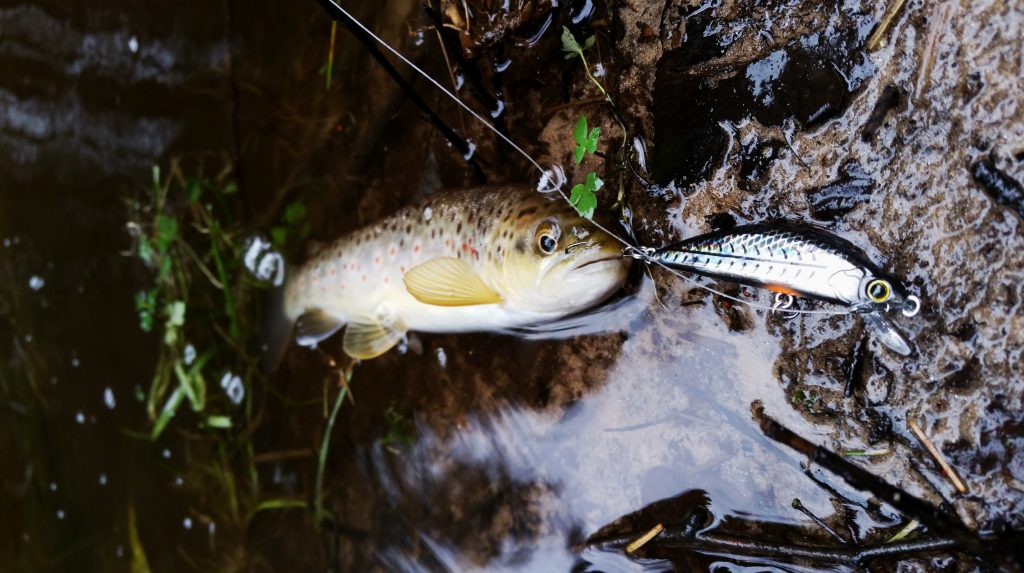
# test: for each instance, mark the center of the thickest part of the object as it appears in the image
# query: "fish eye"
(546, 238)
(879, 291)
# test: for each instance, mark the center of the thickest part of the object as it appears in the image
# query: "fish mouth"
(601, 260)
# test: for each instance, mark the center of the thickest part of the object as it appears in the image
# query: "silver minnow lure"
(798, 260)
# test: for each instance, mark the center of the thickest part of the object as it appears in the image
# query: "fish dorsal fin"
(366, 338)
(314, 326)
(447, 281)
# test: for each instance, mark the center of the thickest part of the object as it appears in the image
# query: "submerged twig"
(710, 543)
(884, 23)
(937, 455)
(645, 538)
(799, 506)
(996, 550)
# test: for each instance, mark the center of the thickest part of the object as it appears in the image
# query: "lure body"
(793, 259)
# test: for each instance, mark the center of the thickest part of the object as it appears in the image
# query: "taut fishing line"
(552, 179)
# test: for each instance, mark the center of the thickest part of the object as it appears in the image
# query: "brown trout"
(473, 260)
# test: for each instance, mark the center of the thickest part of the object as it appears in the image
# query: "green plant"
(184, 231)
(573, 49)
(586, 142)
(583, 195)
(292, 226)
(400, 430)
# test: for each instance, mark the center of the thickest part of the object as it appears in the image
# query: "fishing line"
(553, 179)
(331, 5)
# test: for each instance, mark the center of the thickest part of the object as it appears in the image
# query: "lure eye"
(879, 291)
(546, 238)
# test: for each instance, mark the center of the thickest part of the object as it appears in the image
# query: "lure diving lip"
(798, 260)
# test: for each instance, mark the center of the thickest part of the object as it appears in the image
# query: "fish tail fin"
(277, 330)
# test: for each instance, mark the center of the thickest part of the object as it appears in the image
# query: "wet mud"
(495, 452)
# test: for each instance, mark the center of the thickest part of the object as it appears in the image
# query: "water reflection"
(515, 489)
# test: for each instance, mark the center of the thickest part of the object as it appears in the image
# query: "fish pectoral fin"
(447, 281)
(315, 326)
(366, 339)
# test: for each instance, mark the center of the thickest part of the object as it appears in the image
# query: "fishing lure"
(798, 260)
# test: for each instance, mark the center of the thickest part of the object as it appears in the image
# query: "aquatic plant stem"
(325, 445)
(229, 303)
(330, 54)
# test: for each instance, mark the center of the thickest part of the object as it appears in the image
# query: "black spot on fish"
(520, 245)
(526, 211)
(408, 229)
(458, 228)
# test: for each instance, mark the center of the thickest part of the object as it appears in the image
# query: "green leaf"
(586, 142)
(230, 189)
(294, 213)
(170, 407)
(145, 250)
(583, 199)
(166, 232)
(194, 189)
(579, 133)
(593, 182)
(569, 44)
(145, 305)
(589, 43)
(175, 312)
(591, 143)
(220, 422)
(279, 236)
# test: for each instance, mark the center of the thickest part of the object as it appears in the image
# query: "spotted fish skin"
(456, 261)
(796, 259)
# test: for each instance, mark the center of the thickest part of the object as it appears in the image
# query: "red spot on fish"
(364, 278)
(447, 242)
(465, 247)
(416, 249)
(385, 280)
(402, 269)
(376, 260)
(393, 251)
(476, 254)
(334, 271)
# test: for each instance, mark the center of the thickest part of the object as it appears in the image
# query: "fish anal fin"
(366, 339)
(447, 281)
(315, 326)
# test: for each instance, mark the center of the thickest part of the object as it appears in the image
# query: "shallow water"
(492, 452)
